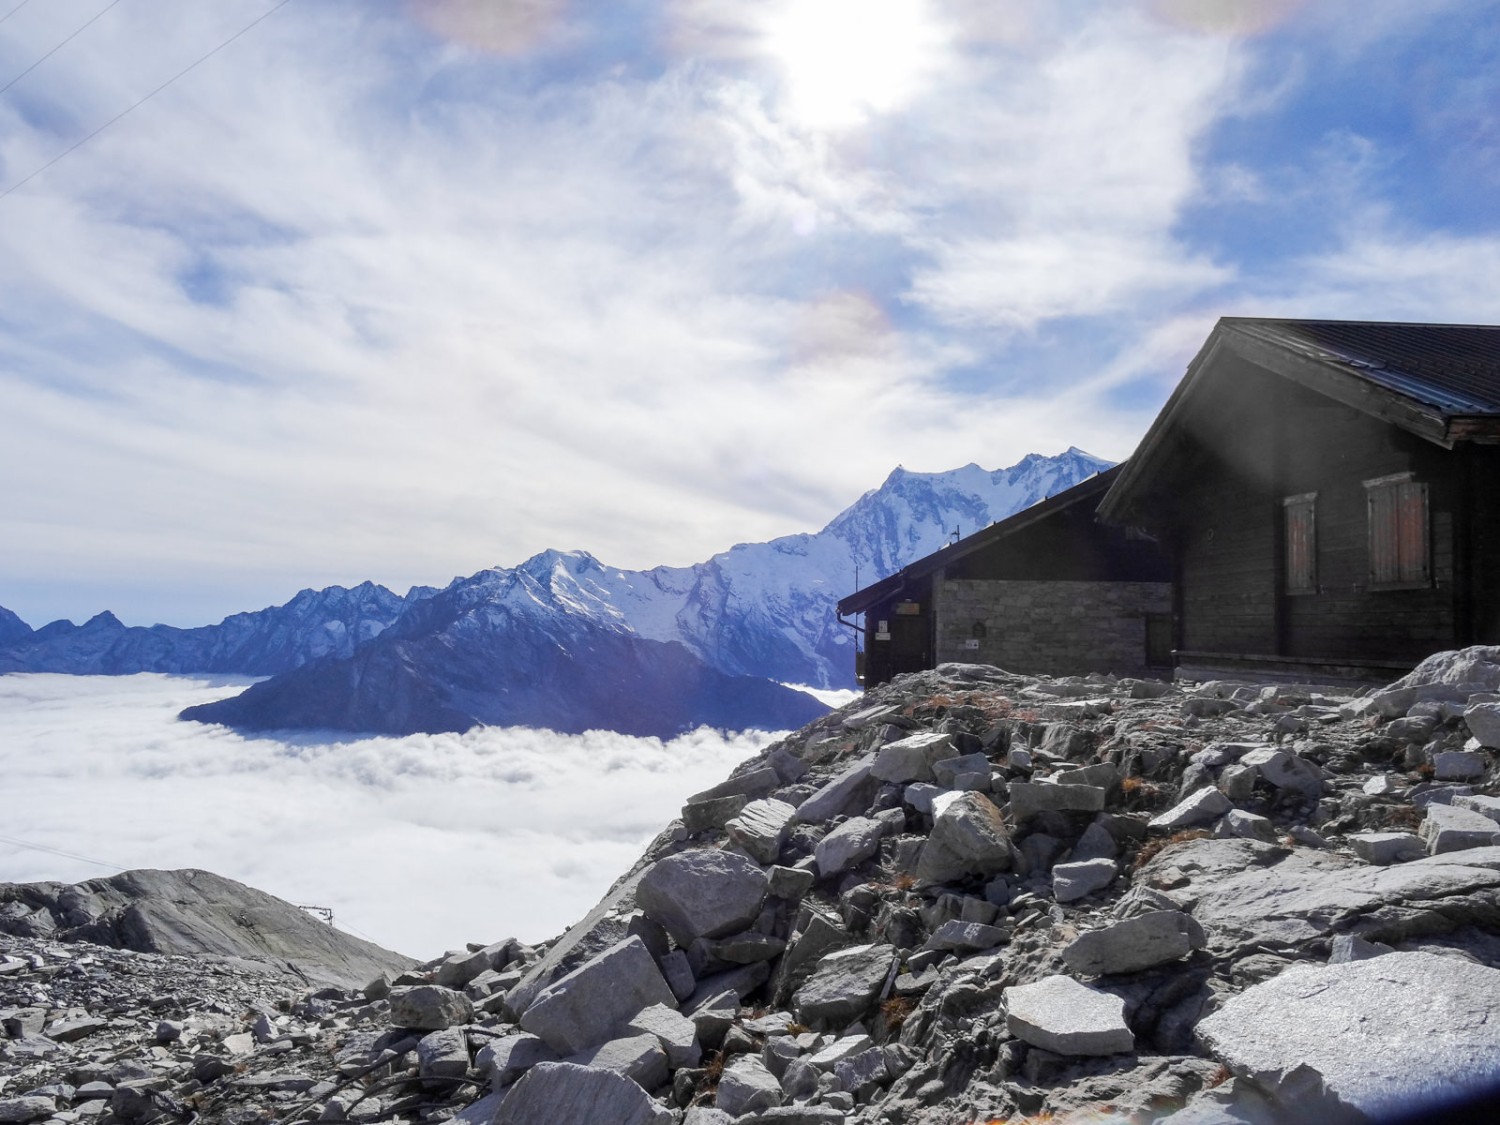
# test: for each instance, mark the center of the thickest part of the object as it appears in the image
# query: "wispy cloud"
(421, 843)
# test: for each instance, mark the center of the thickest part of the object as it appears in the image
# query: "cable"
(59, 851)
(76, 145)
(59, 47)
(14, 10)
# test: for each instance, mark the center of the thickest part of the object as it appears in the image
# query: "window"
(1400, 557)
(1300, 514)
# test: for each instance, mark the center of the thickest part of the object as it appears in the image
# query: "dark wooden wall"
(1257, 438)
(1067, 546)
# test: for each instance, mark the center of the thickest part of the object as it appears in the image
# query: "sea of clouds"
(420, 843)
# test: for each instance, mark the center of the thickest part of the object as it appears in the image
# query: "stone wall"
(1056, 628)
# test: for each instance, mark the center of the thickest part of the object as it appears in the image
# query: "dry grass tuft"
(895, 1010)
(1151, 848)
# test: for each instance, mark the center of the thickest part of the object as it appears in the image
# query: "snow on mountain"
(768, 609)
(315, 623)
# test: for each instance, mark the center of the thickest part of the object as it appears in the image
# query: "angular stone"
(639, 1058)
(865, 1070)
(747, 1085)
(790, 882)
(1027, 798)
(702, 893)
(1482, 804)
(24, 1110)
(945, 771)
(1137, 943)
(868, 716)
(1347, 947)
(1384, 848)
(506, 1059)
(1058, 1014)
(587, 1005)
(1382, 785)
(1383, 1037)
(920, 795)
(1095, 843)
(750, 785)
(1286, 771)
(1239, 824)
(678, 973)
(459, 969)
(677, 1034)
(716, 812)
(958, 936)
(844, 984)
(848, 845)
(1483, 720)
(429, 1007)
(761, 829)
(1458, 765)
(1102, 775)
(551, 1092)
(837, 796)
(1202, 807)
(911, 758)
(743, 949)
(969, 837)
(1073, 881)
(1449, 829)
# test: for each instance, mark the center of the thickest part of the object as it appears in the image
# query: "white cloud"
(421, 843)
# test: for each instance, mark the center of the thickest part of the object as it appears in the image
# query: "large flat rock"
(1383, 1036)
(702, 893)
(550, 1093)
(588, 1005)
(1058, 1014)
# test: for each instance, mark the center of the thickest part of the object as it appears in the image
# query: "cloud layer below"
(419, 843)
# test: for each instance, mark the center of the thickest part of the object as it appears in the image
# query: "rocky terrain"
(971, 897)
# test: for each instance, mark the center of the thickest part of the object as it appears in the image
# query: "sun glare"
(844, 60)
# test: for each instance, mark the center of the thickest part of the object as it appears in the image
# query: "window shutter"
(1301, 543)
(1399, 551)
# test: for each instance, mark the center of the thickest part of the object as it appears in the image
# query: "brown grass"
(1151, 848)
(896, 1009)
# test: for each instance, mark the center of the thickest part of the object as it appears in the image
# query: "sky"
(420, 844)
(303, 292)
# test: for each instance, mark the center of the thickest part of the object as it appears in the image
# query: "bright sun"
(846, 59)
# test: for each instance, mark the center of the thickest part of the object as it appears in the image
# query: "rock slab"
(1060, 1015)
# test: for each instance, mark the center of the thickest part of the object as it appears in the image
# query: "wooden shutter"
(1300, 513)
(1400, 554)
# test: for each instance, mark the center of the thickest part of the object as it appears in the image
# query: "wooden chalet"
(1329, 495)
(1048, 590)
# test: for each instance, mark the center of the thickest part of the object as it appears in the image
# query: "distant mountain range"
(564, 641)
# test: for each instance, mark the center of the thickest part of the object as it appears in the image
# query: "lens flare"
(509, 27)
(1224, 17)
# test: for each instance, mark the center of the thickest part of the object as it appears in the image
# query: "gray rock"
(1483, 720)
(920, 795)
(844, 984)
(1384, 848)
(1073, 881)
(1458, 765)
(1095, 843)
(1382, 1037)
(1202, 807)
(761, 829)
(862, 1072)
(459, 969)
(550, 1093)
(911, 758)
(443, 1055)
(1027, 798)
(1449, 829)
(747, 1085)
(1060, 1015)
(587, 1006)
(848, 845)
(845, 1047)
(507, 1058)
(1242, 825)
(1382, 785)
(841, 795)
(945, 771)
(1347, 947)
(639, 1058)
(1484, 805)
(969, 837)
(678, 973)
(959, 936)
(1137, 943)
(790, 882)
(1103, 775)
(750, 785)
(702, 893)
(716, 812)
(678, 1034)
(706, 1115)
(429, 1007)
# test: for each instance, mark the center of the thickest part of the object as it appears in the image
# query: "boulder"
(443, 1056)
(747, 1085)
(589, 1004)
(1382, 1037)
(1073, 881)
(1202, 807)
(1286, 771)
(1060, 1015)
(639, 1058)
(677, 1034)
(1137, 943)
(911, 758)
(1450, 829)
(511, 1056)
(844, 984)
(1239, 824)
(761, 828)
(1482, 804)
(958, 936)
(846, 792)
(702, 893)
(1027, 798)
(1101, 775)
(1384, 848)
(968, 837)
(1458, 765)
(1483, 720)
(429, 1007)
(550, 1092)
(946, 771)
(848, 845)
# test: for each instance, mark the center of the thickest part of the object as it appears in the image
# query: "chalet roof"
(1438, 381)
(1086, 491)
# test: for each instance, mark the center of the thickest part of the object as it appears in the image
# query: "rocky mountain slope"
(314, 624)
(970, 897)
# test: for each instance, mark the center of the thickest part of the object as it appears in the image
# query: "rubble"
(971, 896)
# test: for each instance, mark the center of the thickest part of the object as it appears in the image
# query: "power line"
(14, 10)
(76, 145)
(59, 851)
(59, 47)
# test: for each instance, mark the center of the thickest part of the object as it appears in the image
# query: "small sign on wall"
(971, 643)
